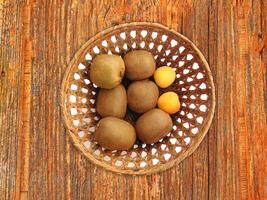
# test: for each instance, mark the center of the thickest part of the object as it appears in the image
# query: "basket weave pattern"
(193, 83)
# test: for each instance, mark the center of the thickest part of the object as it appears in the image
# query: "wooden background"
(39, 37)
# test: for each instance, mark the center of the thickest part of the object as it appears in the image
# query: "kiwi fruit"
(139, 64)
(107, 71)
(115, 134)
(142, 95)
(112, 102)
(153, 126)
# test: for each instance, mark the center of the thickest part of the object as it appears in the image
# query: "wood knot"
(114, 23)
(3, 74)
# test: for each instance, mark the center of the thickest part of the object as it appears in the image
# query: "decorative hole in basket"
(193, 83)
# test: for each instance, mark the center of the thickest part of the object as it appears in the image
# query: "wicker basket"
(194, 84)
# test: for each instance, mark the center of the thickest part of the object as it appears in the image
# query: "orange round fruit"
(164, 76)
(169, 102)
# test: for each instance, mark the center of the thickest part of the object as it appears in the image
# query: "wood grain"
(39, 38)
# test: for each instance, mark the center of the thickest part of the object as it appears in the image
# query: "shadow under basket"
(193, 83)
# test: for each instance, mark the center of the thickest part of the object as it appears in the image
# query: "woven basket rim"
(160, 167)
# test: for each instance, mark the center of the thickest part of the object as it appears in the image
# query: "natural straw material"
(193, 83)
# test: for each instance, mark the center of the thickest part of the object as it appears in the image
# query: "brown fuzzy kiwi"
(107, 71)
(142, 96)
(115, 134)
(153, 126)
(139, 64)
(112, 102)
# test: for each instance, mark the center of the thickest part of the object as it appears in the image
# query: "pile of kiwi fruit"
(141, 94)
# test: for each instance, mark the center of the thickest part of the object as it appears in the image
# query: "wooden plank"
(212, 134)
(200, 156)
(10, 69)
(252, 112)
(48, 166)
(236, 59)
(227, 181)
(25, 104)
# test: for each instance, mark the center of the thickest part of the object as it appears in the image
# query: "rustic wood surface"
(39, 38)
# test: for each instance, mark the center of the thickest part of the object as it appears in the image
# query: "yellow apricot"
(164, 76)
(169, 102)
